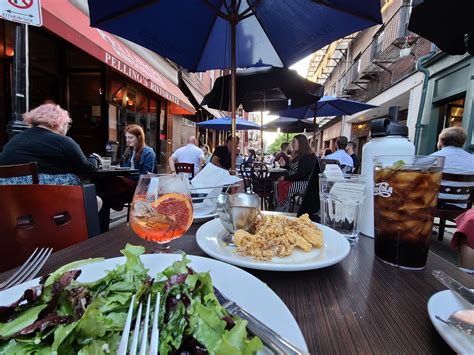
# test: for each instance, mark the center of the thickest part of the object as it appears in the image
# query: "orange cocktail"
(161, 209)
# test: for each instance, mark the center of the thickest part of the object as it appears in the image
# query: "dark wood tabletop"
(114, 172)
(360, 305)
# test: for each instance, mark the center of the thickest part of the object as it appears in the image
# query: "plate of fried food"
(276, 243)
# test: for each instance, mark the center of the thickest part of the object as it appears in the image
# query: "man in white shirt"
(190, 154)
(456, 160)
(340, 154)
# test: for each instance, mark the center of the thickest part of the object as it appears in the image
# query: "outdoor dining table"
(360, 305)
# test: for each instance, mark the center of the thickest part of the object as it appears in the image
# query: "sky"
(302, 68)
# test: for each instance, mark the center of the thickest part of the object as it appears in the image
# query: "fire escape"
(383, 51)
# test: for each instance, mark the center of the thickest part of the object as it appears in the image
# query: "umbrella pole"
(314, 132)
(233, 80)
(261, 134)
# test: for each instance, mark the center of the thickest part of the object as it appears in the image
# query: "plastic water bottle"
(388, 137)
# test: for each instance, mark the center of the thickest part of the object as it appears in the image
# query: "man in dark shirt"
(351, 146)
(222, 154)
(283, 157)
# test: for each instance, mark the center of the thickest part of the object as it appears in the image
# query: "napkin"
(210, 181)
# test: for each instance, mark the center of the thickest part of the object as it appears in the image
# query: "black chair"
(262, 184)
(448, 207)
(245, 171)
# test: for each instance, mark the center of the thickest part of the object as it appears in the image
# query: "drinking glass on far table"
(341, 197)
(106, 163)
(405, 199)
(161, 209)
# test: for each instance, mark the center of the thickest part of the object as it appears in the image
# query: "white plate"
(336, 248)
(246, 290)
(199, 218)
(443, 304)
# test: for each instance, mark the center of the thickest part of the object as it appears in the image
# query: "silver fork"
(29, 269)
(152, 342)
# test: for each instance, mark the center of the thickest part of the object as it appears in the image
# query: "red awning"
(68, 22)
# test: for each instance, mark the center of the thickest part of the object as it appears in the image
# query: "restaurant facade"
(104, 82)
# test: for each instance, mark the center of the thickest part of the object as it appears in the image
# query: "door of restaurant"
(450, 115)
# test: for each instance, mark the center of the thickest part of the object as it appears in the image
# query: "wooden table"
(360, 305)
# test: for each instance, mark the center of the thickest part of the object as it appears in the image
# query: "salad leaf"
(66, 316)
(24, 319)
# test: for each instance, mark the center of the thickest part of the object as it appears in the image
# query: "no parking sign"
(22, 11)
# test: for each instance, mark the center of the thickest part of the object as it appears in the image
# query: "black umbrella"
(448, 24)
(264, 89)
(290, 125)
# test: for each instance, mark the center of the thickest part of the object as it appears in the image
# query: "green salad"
(64, 316)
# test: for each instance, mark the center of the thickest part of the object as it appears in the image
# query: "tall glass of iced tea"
(161, 208)
(405, 197)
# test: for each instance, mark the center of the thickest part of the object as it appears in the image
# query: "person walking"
(207, 154)
(190, 154)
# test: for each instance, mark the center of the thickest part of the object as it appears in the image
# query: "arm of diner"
(77, 160)
(304, 169)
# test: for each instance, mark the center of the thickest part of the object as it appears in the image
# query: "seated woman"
(296, 179)
(138, 155)
(59, 157)
(252, 156)
(116, 191)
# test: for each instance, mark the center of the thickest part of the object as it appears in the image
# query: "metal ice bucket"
(237, 211)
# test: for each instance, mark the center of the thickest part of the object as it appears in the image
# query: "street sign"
(22, 11)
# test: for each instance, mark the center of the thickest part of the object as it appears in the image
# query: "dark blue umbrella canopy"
(225, 124)
(290, 125)
(326, 106)
(196, 33)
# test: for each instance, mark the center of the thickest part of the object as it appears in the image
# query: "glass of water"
(341, 197)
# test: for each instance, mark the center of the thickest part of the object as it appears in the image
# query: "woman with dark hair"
(252, 156)
(116, 190)
(299, 169)
(138, 155)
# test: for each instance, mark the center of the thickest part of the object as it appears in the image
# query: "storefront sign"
(23, 11)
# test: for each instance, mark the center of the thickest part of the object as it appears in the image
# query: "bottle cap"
(383, 127)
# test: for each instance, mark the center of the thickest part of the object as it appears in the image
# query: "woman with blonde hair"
(59, 157)
(207, 153)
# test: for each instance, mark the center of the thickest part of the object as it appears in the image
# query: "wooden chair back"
(184, 168)
(43, 216)
(28, 169)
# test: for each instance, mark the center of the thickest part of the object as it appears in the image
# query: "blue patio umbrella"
(225, 124)
(219, 34)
